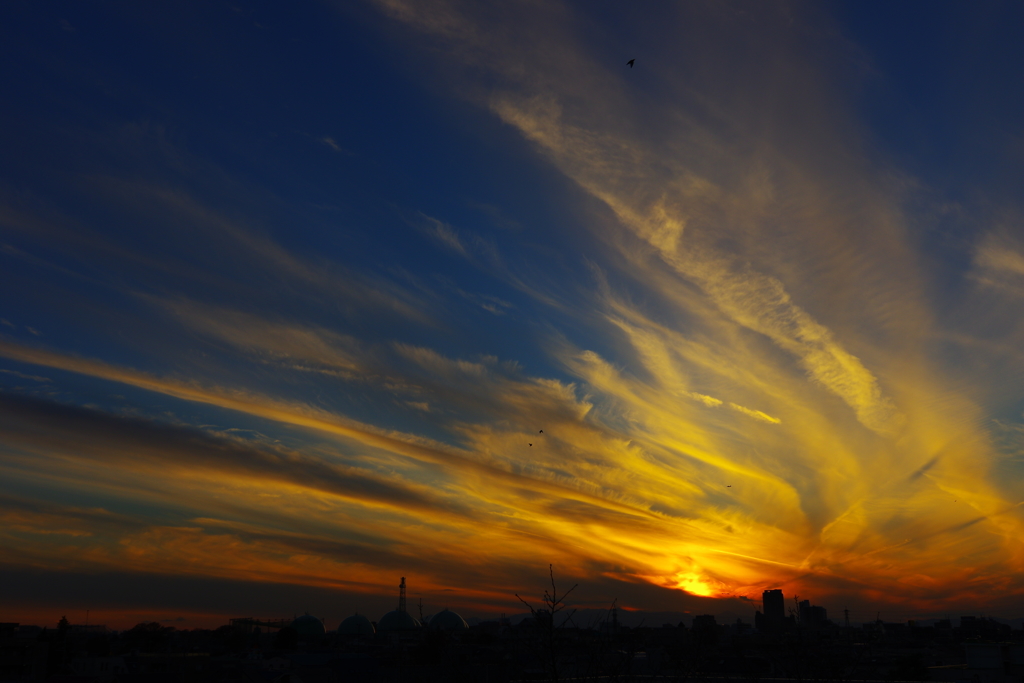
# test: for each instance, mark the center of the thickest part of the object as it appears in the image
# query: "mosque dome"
(356, 625)
(397, 621)
(307, 626)
(447, 620)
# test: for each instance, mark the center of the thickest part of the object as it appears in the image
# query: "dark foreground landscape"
(974, 649)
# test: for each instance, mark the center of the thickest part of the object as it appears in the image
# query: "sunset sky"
(288, 292)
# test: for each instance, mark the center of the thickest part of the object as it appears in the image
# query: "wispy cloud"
(999, 262)
(332, 144)
(756, 414)
(792, 277)
(445, 234)
(728, 372)
(22, 375)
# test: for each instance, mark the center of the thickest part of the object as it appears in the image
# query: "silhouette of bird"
(630, 62)
(542, 431)
(728, 486)
(531, 444)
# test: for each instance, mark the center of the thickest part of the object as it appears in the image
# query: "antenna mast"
(401, 596)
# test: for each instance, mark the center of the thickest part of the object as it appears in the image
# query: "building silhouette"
(773, 619)
(773, 602)
(812, 616)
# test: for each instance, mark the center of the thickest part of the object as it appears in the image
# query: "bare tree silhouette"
(545, 618)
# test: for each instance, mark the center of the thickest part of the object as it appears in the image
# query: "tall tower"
(774, 605)
(401, 596)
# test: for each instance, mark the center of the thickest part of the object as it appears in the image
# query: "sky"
(299, 299)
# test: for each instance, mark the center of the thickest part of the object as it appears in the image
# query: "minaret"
(401, 596)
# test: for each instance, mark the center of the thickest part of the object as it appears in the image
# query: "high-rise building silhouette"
(774, 605)
(812, 616)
